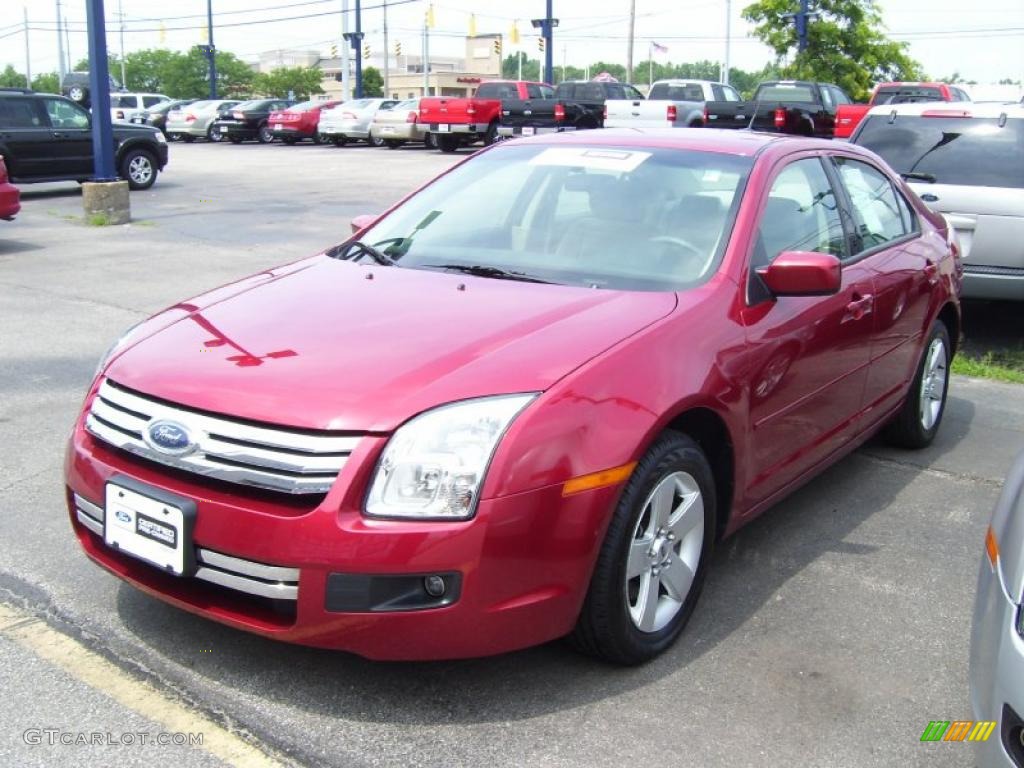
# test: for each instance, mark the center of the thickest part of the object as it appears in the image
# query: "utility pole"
(629, 45)
(61, 65)
(728, 39)
(346, 86)
(211, 51)
(387, 54)
(426, 57)
(120, 14)
(357, 43)
(28, 58)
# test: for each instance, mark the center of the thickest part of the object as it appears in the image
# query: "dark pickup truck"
(782, 106)
(576, 105)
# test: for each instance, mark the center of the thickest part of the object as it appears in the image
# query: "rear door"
(25, 137)
(809, 354)
(978, 166)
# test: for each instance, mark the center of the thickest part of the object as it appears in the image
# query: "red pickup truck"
(460, 121)
(848, 116)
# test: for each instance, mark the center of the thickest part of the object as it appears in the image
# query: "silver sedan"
(196, 120)
(400, 124)
(351, 120)
(997, 634)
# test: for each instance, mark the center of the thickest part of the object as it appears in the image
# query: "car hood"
(343, 346)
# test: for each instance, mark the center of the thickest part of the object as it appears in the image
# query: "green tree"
(46, 82)
(11, 78)
(373, 82)
(510, 68)
(845, 44)
(302, 81)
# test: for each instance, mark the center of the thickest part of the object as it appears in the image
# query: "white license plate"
(278, 127)
(145, 528)
(387, 129)
(223, 129)
(528, 130)
(443, 128)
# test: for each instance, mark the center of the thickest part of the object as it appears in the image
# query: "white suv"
(123, 106)
(967, 162)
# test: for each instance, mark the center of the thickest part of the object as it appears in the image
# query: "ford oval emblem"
(123, 516)
(169, 437)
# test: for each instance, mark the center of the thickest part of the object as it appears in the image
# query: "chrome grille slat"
(250, 586)
(264, 457)
(247, 567)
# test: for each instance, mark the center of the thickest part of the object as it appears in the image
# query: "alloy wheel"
(933, 383)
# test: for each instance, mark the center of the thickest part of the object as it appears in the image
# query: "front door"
(72, 138)
(810, 354)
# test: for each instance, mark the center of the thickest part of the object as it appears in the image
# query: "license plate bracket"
(150, 524)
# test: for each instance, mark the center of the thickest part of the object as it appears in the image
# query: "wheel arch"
(709, 430)
(950, 317)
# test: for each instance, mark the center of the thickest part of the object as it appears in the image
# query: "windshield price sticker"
(619, 160)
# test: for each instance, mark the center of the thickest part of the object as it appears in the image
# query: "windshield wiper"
(356, 247)
(482, 270)
(918, 176)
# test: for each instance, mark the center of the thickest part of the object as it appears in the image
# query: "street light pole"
(28, 58)
(99, 89)
(61, 66)
(629, 45)
(120, 15)
(211, 52)
(549, 50)
(387, 54)
(728, 39)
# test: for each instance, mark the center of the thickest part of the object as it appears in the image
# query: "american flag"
(658, 47)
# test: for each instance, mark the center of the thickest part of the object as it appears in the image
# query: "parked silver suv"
(967, 162)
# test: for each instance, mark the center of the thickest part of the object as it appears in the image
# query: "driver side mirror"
(359, 223)
(802, 273)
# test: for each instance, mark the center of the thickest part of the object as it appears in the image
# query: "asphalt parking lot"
(831, 630)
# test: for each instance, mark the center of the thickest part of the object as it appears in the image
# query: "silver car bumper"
(984, 282)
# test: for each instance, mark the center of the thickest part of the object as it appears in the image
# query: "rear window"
(497, 91)
(685, 92)
(799, 93)
(907, 95)
(975, 152)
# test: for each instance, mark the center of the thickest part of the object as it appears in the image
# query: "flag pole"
(650, 65)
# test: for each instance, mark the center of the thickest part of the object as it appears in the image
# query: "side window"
(730, 93)
(631, 92)
(20, 113)
(547, 92)
(801, 215)
(64, 114)
(826, 97)
(533, 91)
(149, 101)
(838, 96)
(907, 213)
(876, 212)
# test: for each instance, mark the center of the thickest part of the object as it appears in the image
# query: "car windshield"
(977, 152)
(625, 218)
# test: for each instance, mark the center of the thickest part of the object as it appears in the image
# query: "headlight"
(113, 350)
(434, 465)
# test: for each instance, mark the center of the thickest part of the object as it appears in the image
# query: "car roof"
(951, 109)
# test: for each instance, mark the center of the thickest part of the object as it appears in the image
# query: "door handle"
(928, 197)
(931, 271)
(859, 307)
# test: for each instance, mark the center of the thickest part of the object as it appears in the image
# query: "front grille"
(273, 581)
(224, 449)
(984, 269)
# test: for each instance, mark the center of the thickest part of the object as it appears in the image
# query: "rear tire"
(918, 421)
(655, 555)
(491, 135)
(447, 142)
(79, 94)
(374, 141)
(264, 135)
(429, 141)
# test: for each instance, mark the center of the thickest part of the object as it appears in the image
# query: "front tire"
(654, 558)
(138, 168)
(917, 422)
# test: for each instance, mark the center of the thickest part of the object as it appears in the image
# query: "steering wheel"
(688, 249)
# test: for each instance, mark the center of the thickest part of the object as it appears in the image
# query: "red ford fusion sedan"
(524, 403)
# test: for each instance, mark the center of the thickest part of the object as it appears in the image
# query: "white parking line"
(92, 669)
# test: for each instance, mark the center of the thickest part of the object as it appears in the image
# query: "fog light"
(435, 586)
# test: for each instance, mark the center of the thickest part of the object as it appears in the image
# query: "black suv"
(45, 137)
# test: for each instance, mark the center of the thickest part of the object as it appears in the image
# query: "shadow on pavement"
(747, 570)
(8, 247)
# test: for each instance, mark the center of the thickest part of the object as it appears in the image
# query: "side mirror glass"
(802, 273)
(366, 220)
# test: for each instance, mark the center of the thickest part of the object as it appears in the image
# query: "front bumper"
(523, 562)
(234, 129)
(283, 130)
(996, 671)
(510, 131)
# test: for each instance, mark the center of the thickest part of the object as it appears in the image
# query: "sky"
(984, 44)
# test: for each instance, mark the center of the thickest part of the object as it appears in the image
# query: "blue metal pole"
(99, 88)
(211, 51)
(801, 25)
(357, 44)
(549, 48)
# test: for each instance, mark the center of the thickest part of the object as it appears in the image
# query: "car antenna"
(750, 125)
